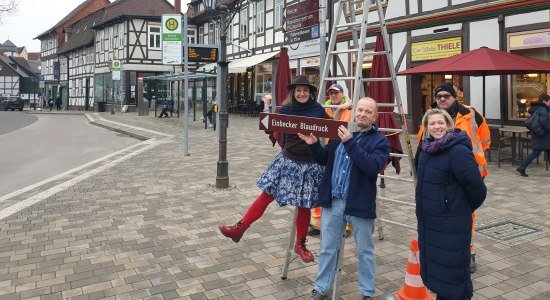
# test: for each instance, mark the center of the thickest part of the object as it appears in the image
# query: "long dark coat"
(449, 189)
(541, 142)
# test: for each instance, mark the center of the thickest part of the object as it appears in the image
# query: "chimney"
(177, 6)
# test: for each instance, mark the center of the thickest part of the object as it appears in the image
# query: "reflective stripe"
(486, 140)
(473, 125)
(482, 168)
(413, 280)
(477, 150)
(413, 257)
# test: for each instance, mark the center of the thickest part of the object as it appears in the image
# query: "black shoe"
(366, 297)
(473, 265)
(347, 234)
(313, 232)
(315, 295)
(522, 172)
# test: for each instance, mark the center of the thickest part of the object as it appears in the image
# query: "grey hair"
(436, 111)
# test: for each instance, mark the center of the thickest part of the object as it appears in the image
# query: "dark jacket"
(541, 142)
(449, 189)
(368, 156)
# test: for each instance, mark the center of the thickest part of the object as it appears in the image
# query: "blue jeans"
(333, 226)
(529, 159)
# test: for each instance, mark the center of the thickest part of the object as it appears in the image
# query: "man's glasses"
(443, 96)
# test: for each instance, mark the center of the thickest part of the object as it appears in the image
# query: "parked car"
(11, 102)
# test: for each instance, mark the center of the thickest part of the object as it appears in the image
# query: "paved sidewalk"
(142, 224)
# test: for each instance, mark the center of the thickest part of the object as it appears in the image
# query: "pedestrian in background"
(467, 119)
(293, 177)
(449, 189)
(50, 104)
(538, 142)
(58, 103)
(348, 195)
(266, 99)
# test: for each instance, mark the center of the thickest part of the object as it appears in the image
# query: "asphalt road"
(37, 147)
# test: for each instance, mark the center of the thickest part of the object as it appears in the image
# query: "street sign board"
(300, 8)
(172, 39)
(199, 53)
(302, 35)
(306, 20)
(305, 125)
(115, 68)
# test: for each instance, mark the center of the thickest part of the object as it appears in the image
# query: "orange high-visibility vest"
(479, 135)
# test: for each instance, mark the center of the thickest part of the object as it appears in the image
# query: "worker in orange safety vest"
(469, 120)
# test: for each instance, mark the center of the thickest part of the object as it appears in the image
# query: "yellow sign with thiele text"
(436, 49)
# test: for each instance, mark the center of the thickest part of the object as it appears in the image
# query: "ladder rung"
(379, 53)
(352, 50)
(390, 129)
(399, 224)
(387, 105)
(377, 79)
(346, 25)
(396, 178)
(399, 155)
(339, 78)
(396, 201)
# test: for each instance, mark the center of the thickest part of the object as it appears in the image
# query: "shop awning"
(239, 65)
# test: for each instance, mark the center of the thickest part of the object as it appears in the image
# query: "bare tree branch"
(8, 7)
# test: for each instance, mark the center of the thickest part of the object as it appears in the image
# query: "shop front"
(525, 89)
(422, 87)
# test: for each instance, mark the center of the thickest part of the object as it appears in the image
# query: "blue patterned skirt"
(292, 182)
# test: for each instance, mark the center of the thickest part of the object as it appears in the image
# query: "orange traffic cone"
(414, 288)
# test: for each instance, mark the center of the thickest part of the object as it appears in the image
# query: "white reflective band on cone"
(414, 280)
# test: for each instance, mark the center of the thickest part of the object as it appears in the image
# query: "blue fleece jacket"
(368, 155)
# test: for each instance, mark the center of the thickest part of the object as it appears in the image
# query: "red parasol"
(282, 80)
(382, 91)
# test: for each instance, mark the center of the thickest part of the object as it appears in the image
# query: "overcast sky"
(36, 16)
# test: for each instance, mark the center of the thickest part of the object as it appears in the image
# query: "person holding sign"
(347, 195)
(293, 177)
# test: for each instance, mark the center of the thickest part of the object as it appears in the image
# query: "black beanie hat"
(447, 87)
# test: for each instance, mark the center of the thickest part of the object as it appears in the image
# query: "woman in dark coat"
(293, 177)
(538, 142)
(449, 189)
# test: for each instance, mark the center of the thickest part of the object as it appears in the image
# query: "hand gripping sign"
(305, 125)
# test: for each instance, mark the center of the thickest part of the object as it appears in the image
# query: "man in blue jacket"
(348, 193)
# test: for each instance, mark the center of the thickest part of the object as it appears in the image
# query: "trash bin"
(101, 106)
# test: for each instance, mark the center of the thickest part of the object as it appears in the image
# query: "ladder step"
(353, 50)
(390, 129)
(388, 104)
(396, 178)
(347, 25)
(399, 224)
(396, 201)
(339, 78)
(377, 79)
(399, 155)
(379, 52)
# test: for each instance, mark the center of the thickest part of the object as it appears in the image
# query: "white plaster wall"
(428, 5)
(413, 6)
(430, 30)
(485, 33)
(528, 18)
(455, 2)
(399, 42)
(395, 9)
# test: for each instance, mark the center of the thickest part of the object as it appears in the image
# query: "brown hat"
(302, 80)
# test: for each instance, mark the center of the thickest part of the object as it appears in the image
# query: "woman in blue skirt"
(293, 177)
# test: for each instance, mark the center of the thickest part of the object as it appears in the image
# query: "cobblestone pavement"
(142, 224)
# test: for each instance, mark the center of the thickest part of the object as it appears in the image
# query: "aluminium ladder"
(357, 22)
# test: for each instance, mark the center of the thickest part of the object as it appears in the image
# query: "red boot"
(234, 232)
(300, 249)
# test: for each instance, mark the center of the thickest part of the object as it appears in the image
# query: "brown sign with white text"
(305, 125)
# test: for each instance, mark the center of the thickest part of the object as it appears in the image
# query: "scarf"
(433, 146)
(309, 109)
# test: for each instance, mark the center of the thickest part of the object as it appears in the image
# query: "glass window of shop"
(105, 89)
(525, 89)
(264, 80)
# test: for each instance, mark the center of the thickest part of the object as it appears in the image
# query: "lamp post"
(224, 14)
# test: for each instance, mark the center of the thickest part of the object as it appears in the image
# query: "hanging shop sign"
(436, 49)
(172, 40)
(115, 69)
(539, 39)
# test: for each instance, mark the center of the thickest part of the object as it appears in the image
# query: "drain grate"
(511, 231)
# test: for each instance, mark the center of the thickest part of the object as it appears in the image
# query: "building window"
(192, 36)
(243, 24)
(260, 17)
(279, 4)
(212, 33)
(525, 89)
(154, 37)
(201, 35)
